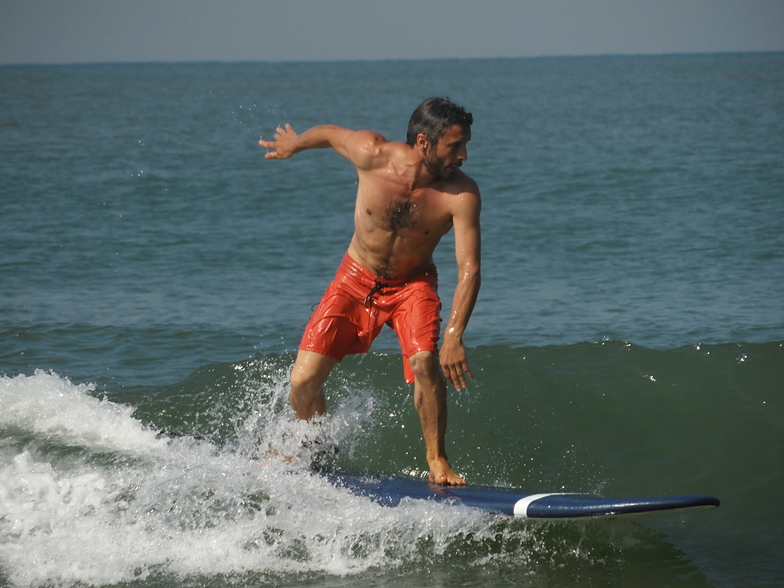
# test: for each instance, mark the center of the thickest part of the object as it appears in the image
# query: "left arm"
(468, 255)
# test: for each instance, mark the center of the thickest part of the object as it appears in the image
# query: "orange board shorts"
(357, 304)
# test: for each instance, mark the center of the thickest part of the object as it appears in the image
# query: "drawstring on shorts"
(379, 285)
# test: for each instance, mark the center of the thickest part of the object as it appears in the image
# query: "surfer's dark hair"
(434, 117)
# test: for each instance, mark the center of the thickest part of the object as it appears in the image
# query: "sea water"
(156, 273)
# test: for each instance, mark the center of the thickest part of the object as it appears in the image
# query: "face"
(449, 154)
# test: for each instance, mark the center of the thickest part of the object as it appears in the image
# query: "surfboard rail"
(516, 502)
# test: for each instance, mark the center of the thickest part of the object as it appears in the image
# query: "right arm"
(467, 253)
(362, 148)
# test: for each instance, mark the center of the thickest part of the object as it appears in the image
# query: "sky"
(87, 31)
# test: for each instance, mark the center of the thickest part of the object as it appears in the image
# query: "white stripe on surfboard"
(521, 506)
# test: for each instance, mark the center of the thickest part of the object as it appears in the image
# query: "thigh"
(417, 320)
(335, 328)
(333, 336)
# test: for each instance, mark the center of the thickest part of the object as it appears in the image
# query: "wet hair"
(434, 117)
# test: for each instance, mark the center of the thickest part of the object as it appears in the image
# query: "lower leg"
(430, 403)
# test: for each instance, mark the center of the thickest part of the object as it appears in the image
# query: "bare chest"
(391, 206)
(393, 213)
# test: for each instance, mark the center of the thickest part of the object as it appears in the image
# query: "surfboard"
(515, 502)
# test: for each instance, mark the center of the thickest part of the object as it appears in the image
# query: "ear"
(423, 142)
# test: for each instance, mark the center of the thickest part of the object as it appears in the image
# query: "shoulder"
(369, 149)
(464, 203)
(468, 198)
(467, 183)
(366, 139)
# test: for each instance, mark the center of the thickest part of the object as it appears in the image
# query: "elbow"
(472, 274)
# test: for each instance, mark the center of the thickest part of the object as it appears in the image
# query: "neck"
(421, 176)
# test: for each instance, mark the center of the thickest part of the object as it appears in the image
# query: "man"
(408, 197)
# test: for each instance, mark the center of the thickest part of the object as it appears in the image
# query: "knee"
(426, 368)
(304, 387)
(307, 379)
(300, 379)
(305, 395)
(309, 373)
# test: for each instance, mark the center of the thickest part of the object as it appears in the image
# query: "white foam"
(180, 506)
(47, 404)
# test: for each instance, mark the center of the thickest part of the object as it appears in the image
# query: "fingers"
(457, 378)
(456, 374)
(271, 145)
(279, 132)
(278, 146)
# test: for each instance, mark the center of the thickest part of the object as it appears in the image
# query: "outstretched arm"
(468, 254)
(359, 147)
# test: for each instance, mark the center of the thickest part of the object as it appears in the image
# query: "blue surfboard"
(515, 501)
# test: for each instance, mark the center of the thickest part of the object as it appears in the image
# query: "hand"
(455, 364)
(284, 145)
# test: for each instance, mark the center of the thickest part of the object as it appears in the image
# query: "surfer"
(409, 195)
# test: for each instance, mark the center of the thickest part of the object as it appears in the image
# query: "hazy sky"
(68, 31)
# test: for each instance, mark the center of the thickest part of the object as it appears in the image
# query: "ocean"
(156, 273)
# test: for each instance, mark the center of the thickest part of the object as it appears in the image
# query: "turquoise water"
(156, 273)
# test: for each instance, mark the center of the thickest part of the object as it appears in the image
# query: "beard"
(437, 167)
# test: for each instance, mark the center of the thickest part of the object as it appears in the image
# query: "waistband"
(349, 266)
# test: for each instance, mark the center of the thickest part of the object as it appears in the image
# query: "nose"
(462, 154)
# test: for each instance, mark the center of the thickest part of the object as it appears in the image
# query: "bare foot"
(442, 473)
(314, 453)
(275, 457)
